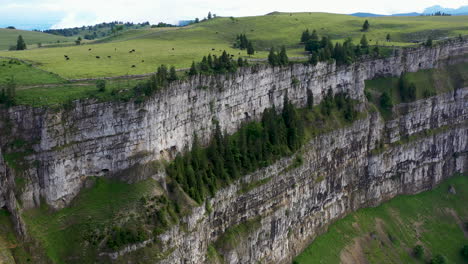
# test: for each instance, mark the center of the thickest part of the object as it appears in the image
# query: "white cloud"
(86, 12)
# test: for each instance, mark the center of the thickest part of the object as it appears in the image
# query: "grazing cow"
(130, 51)
(109, 57)
(133, 50)
(133, 66)
(142, 60)
(172, 48)
(89, 49)
(68, 58)
(212, 49)
(97, 57)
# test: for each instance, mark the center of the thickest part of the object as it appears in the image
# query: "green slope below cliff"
(388, 233)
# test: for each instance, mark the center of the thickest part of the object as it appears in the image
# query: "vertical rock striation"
(340, 174)
(98, 138)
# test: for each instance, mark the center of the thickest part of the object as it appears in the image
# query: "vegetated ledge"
(339, 175)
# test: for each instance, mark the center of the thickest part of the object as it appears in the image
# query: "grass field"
(180, 46)
(8, 37)
(388, 233)
(24, 74)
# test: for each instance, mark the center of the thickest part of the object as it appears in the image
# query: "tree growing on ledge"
(386, 101)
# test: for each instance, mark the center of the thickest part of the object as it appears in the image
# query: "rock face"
(339, 174)
(96, 138)
(341, 171)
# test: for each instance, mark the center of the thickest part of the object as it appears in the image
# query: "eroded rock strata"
(341, 171)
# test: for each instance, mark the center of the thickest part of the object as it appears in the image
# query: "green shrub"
(418, 251)
(465, 252)
(439, 259)
(101, 85)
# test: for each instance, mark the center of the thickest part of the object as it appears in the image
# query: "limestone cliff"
(341, 171)
(339, 175)
(96, 138)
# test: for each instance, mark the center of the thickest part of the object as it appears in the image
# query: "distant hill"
(361, 14)
(96, 31)
(463, 10)
(407, 14)
(8, 37)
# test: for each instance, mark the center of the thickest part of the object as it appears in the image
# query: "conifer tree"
(250, 49)
(305, 36)
(193, 69)
(283, 57)
(172, 74)
(273, 58)
(20, 44)
(364, 42)
(365, 26)
(314, 58)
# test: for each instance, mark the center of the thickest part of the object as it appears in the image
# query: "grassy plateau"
(180, 46)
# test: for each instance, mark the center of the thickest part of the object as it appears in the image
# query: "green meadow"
(180, 46)
(8, 38)
(388, 233)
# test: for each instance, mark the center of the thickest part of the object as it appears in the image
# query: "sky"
(72, 13)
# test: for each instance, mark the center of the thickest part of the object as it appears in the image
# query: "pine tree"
(386, 101)
(388, 38)
(20, 44)
(305, 36)
(314, 58)
(283, 57)
(314, 35)
(193, 69)
(364, 43)
(172, 74)
(250, 49)
(209, 15)
(273, 58)
(365, 26)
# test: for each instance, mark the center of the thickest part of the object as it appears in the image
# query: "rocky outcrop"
(341, 172)
(95, 138)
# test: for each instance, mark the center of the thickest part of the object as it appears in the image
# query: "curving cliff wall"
(95, 138)
(341, 172)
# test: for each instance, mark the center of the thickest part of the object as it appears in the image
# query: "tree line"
(213, 64)
(202, 171)
(243, 43)
(95, 31)
(322, 49)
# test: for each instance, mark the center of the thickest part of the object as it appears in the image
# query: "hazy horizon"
(44, 14)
